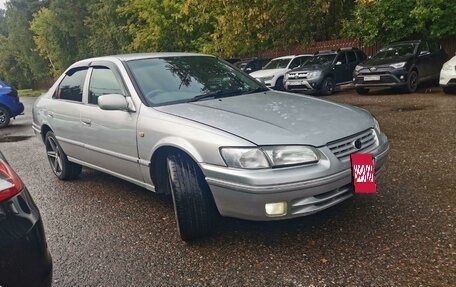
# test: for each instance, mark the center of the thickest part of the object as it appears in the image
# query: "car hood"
(315, 67)
(268, 73)
(276, 118)
(385, 61)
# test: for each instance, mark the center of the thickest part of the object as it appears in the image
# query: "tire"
(279, 84)
(194, 206)
(5, 117)
(60, 165)
(449, 90)
(412, 82)
(362, 91)
(328, 86)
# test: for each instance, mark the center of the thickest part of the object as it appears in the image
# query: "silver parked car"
(210, 135)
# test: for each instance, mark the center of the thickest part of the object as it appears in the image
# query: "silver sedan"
(218, 141)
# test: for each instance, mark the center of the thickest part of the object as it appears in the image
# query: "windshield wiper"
(216, 94)
(256, 90)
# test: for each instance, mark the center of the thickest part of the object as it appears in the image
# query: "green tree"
(381, 21)
(20, 63)
(435, 18)
(105, 34)
(60, 34)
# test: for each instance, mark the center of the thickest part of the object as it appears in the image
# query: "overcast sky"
(2, 4)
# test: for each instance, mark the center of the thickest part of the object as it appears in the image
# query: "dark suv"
(251, 65)
(322, 73)
(402, 64)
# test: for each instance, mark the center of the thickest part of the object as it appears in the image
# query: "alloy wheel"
(54, 156)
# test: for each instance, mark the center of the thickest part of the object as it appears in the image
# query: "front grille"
(312, 204)
(344, 147)
(298, 75)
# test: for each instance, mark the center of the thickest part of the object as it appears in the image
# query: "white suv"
(272, 74)
(448, 76)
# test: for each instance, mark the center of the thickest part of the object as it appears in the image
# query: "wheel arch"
(44, 130)
(158, 165)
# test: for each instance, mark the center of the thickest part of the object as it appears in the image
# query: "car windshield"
(277, 64)
(320, 59)
(171, 80)
(396, 50)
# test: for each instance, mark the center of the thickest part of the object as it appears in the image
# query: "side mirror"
(113, 102)
(424, 53)
(338, 63)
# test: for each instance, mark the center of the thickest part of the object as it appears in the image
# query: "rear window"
(72, 86)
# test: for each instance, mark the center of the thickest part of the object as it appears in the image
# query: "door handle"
(51, 114)
(86, 122)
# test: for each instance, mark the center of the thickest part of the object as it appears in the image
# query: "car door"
(341, 69)
(352, 62)
(424, 60)
(109, 135)
(63, 111)
(437, 58)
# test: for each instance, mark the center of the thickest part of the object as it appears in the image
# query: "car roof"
(136, 56)
(405, 42)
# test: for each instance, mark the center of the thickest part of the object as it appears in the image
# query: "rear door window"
(72, 86)
(351, 57)
(341, 58)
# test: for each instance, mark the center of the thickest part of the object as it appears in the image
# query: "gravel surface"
(103, 231)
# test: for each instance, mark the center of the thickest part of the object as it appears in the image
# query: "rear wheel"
(362, 90)
(194, 206)
(61, 166)
(328, 86)
(4, 117)
(412, 82)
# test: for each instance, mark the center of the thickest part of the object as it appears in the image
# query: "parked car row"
(402, 65)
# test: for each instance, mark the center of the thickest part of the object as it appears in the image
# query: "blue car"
(10, 106)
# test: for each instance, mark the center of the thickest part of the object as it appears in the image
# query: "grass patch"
(30, 93)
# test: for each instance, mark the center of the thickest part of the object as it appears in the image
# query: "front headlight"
(377, 126)
(313, 74)
(264, 79)
(291, 155)
(398, 65)
(270, 156)
(358, 68)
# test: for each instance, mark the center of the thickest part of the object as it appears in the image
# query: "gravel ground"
(103, 231)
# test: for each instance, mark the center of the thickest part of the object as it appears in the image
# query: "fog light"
(276, 208)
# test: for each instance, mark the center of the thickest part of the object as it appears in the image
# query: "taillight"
(10, 183)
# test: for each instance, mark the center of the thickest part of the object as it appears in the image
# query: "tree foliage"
(41, 38)
(391, 20)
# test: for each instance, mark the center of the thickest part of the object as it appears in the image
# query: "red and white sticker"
(363, 172)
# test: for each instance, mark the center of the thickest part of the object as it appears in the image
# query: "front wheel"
(194, 207)
(328, 86)
(362, 91)
(61, 166)
(449, 90)
(279, 84)
(412, 82)
(4, 117)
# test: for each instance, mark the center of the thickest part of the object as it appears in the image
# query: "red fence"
(449, 45)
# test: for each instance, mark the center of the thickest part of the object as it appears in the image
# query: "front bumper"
(308, 85)
(381, 78)
(306, 189)
(447, 78)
